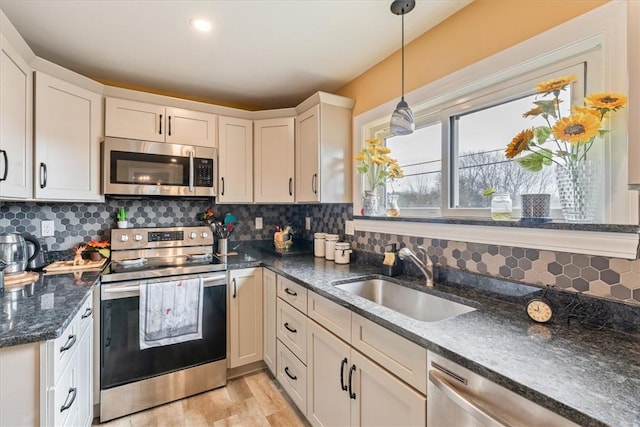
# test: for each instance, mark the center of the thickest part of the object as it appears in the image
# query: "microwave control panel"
(203, 172)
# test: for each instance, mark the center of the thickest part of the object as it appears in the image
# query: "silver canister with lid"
(330, 245)
(342, 252)
(318, 244)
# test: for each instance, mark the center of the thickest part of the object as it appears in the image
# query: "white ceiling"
(260, 53)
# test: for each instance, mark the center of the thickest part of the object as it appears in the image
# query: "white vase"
(578, 189)
(123, 224)
(370, 203)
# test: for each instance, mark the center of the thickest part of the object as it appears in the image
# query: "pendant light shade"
(402, 122)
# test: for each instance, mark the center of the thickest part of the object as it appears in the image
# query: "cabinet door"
(235, 155)
(135, 120)
(328, 404)
(245, 316)
(190, 127)
(274, 161)
(67, 126)
(307, 148)
(85, 378)
(269, 327)
(382, 399)
(16, 112)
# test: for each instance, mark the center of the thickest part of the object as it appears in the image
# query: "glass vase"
(501, 207)
(370, 203)
(578, 189)
(392, 205)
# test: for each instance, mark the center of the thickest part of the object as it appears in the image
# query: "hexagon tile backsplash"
(612, 278)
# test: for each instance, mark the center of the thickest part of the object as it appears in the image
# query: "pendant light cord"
(403, 54)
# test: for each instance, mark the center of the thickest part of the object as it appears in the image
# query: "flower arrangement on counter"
(96, 249)
(207, 217)
(374, 163)
(572, 136)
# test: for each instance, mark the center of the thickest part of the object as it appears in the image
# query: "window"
(473, 134)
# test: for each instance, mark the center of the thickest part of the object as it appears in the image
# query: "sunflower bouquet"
(375, 164)
(572, 137)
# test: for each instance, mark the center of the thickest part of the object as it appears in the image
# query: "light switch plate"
(349, 229)
(307, 223)
(259, 223)
(47, 228)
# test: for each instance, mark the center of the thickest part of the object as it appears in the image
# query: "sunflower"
(578, 127)
(383, 150)
(606, 101)
(519, 143)
(554, 84)
(374, 141)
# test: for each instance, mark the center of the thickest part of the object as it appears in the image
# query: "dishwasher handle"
(466, 402)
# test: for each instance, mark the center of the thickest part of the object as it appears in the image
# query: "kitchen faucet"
(427, 269)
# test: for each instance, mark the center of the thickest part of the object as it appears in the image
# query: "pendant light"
(402, 118)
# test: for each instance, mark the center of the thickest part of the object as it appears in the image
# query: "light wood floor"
(255, 399)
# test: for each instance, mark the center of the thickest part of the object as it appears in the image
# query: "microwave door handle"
(191, 172)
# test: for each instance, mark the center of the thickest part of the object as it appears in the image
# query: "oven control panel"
(168, 237)
(165, 236)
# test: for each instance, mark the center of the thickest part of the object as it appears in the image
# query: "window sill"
(610, 240)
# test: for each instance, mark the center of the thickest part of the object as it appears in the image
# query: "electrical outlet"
(259, 223)
(349, 229)
(307, 223)
(47, 228)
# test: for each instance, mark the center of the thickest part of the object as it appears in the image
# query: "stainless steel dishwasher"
(458, 397)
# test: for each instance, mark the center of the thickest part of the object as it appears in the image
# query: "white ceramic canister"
(330, 245)
(342, 252)
(318, 244)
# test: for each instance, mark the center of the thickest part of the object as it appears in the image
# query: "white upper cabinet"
(150, 122)
(16, 112)
(274, 160)
(323, 150)
(67, 141)
(235, 160)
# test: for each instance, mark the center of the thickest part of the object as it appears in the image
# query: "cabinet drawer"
(332, 316)
(292, 329)
(294, 294)
(85, 315)
(405, 359)
(64, 347)
(292, 375)
(66, 395)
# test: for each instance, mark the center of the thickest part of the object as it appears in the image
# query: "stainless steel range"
(134, 377)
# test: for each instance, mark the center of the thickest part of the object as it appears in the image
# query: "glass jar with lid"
(501, 207)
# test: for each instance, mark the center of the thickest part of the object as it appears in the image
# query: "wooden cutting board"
(67, 266)
(20, 279)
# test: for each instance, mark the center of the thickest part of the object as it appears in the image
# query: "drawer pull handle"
(352, 395)
(342, 365)
(286, 371)
(87, 313)
(289, 328)
(290, 292)
(70, 342)
(72, 393)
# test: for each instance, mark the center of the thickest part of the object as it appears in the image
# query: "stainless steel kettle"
(15, 253)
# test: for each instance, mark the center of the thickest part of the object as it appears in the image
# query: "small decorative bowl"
(283, 245)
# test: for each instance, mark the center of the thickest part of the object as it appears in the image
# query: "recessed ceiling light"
(201, 24)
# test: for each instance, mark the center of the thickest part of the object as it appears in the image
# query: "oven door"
(133, 167)
(121, 359)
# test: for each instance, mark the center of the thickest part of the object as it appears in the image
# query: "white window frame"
(603, 31)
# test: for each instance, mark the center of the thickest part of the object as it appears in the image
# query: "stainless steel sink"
(410, 302)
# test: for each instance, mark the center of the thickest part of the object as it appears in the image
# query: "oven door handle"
(217, 280)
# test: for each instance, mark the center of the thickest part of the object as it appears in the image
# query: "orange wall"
(479, 30)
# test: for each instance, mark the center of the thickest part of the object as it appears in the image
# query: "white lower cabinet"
(327, 362)
(66, 373)
(269, 312)
(245, 316)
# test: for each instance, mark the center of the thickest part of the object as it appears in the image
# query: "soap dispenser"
(392, 264)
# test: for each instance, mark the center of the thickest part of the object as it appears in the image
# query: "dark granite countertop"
(591, 377)
(42, 310)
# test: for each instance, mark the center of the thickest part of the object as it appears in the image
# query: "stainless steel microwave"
(132, 167)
